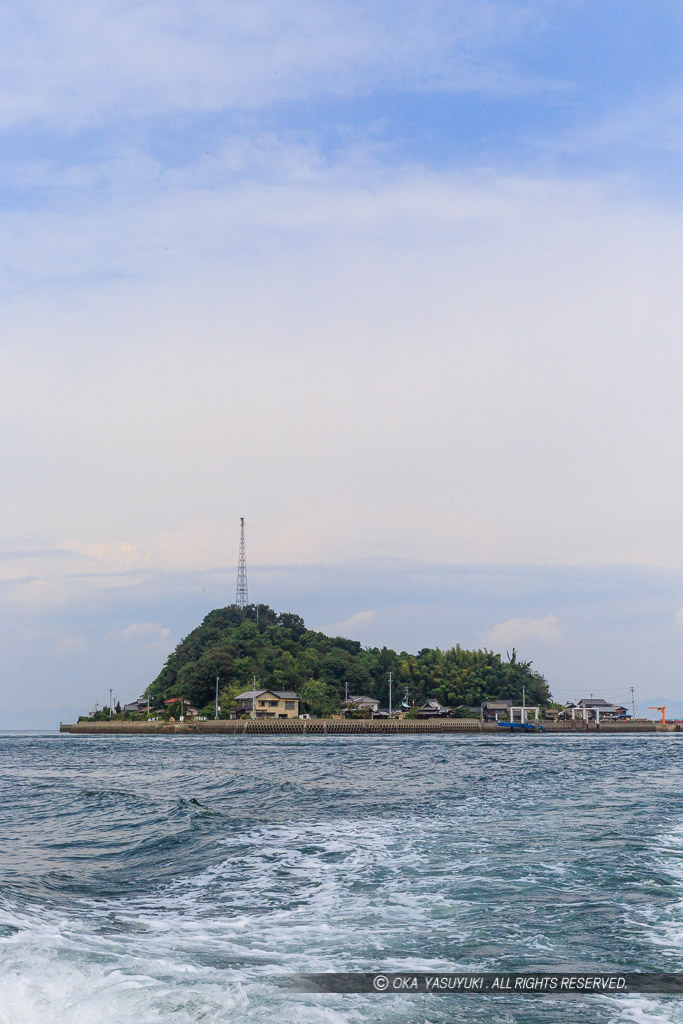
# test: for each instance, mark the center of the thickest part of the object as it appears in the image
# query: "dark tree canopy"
(237, 644)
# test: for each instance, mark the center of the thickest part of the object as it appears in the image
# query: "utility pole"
(110, 699)
(217, 678)
(633, 701)
(346, 691)
(390, 695)
(242, 595)
(253, 696)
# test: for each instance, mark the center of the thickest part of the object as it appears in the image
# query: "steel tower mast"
(242, 596)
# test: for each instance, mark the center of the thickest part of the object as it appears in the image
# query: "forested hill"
(236, 644)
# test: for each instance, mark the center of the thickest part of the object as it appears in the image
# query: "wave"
(151, 882)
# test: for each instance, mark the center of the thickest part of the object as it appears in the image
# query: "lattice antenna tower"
(242, 596)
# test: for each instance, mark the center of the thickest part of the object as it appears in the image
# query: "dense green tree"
(318, 698)
(236, 644)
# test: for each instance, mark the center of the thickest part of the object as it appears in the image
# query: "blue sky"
(399, 283)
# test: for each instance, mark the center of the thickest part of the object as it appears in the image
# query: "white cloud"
(107, 554)
(70, 63)
(518, 631)
(48, 591)
(142, 633)
(69, 644)
(650, 123)
(352, 628)
(679, 616)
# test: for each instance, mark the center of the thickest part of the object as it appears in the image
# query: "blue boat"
(520, 726)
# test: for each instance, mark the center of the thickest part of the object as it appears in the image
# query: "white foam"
(647, 1010)
(207, 946)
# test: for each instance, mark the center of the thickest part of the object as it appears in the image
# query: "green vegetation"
(103, 715)
(236, 644)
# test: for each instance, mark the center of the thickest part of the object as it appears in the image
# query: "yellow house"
(269, 703)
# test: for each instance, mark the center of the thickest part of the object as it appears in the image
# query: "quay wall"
(295, 726)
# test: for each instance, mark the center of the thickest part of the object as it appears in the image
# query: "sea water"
(182, 878)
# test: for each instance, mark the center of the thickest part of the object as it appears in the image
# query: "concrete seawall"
(325, 727)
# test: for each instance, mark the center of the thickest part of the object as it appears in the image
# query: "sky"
(398, 283)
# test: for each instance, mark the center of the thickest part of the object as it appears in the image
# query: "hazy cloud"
(398, 289)
(353, 628)
(69, 644)
(519, 631)
(143, 633)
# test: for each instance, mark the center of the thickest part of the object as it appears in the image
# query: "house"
(594, 709)
(432, 709)
(186, 709)
(269, 703)
(362, 703)
(496, 710)
(141, 704)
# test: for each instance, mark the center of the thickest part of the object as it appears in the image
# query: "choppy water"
(157, 879)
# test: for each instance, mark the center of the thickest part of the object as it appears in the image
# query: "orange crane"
(663, 710)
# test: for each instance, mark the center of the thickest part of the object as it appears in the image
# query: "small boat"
(521, 726)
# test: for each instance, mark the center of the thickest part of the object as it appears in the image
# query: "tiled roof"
(282, 694)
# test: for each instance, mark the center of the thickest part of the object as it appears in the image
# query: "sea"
(184, 879)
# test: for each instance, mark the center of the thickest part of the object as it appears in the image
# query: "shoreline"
(338, 727)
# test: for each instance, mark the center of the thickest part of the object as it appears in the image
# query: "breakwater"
(334, 726)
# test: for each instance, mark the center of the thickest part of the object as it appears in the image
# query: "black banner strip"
(505, 983)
